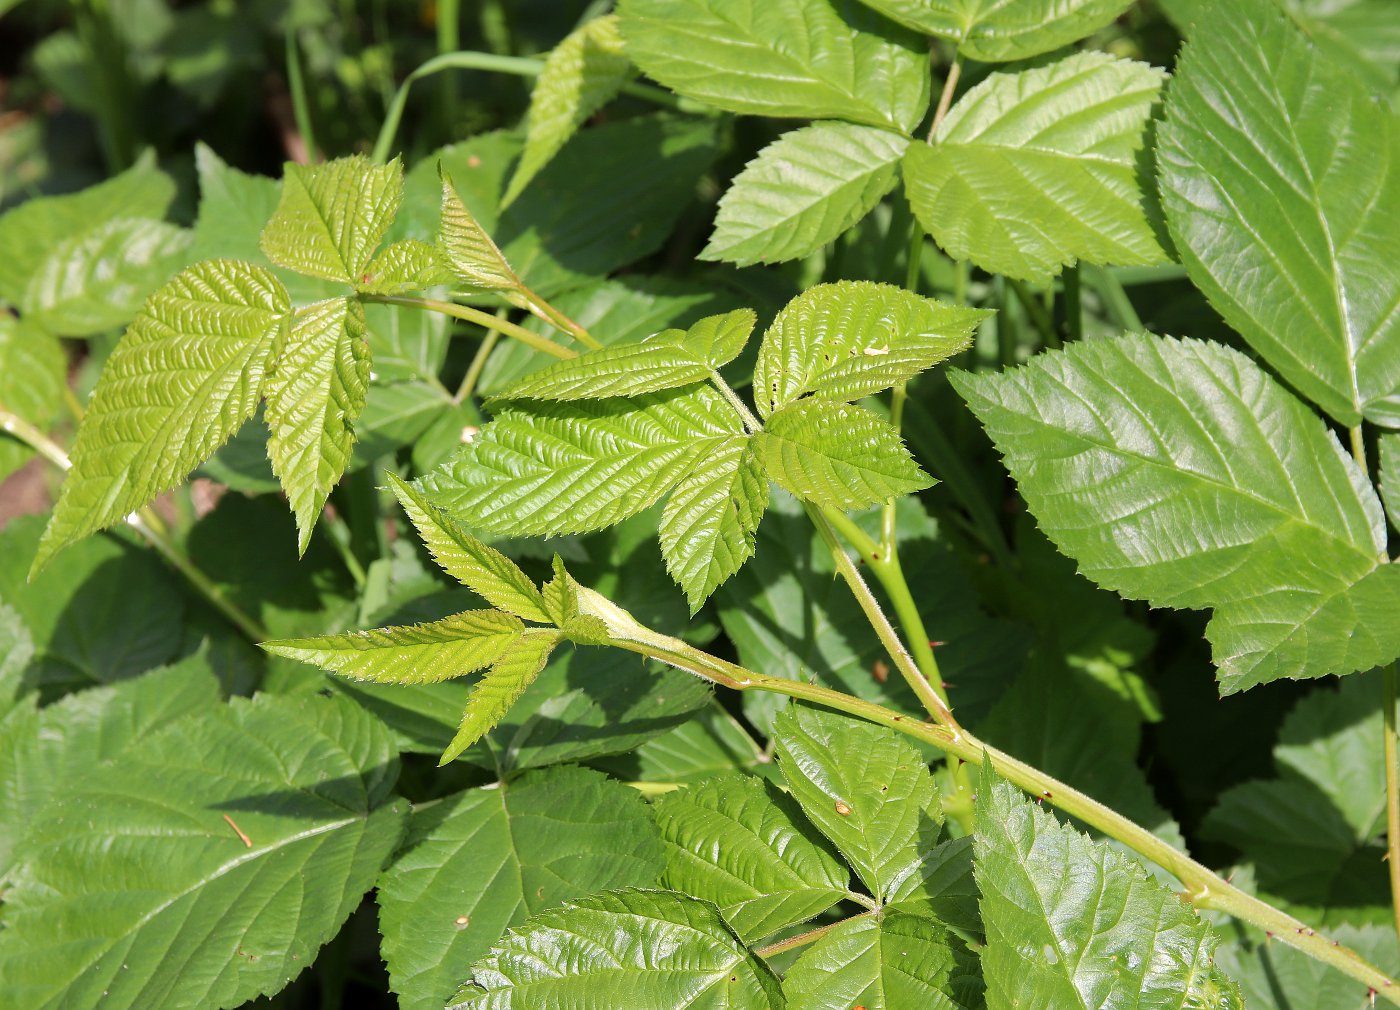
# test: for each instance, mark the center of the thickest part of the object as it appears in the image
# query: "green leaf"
(186, 375)
(1179, 473)
(837, 454)
(332, 217)
(1274, 976)
(31, 231)
(500, 687)
(191, 914)
(661, 362)
(1059, 910)
(417, 654)
(798, 58)
(707, 530)
(478, 566)
(97, 280)
(889, 963)
(1279, 171)
(1035, 170)
(711, 742)
(1389, 447)
(470, 251)
(17, 648)
(628, 948)
(406, 265)
(1001, 32)
(866, 789)
(576, 467)
(33, 370)
(481, 861)
(314, 396)
(719, 339)
(803, 191)
(582, 74)
(846, 340)
(744, 846)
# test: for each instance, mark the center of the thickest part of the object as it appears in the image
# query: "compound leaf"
(332, 217)
(1071, 922)
(483, 860)
(186, 375)
(803, 191)
(799, 58)
(415, 654)
(1178, 472)
(581, 75)
(837, 454)
(314, 396)
(849, 339)
(632, 948)
(737, 842)
(1280, 175)
(1034, 170)
(1000, 32)
(221, 853)
(514, 670)
(866, 789)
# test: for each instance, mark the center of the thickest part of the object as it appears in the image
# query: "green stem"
(1392, 791)
(751, 423)
(558, 320)
(478, 364)
(114, 94)
(301, 108)
(1039, 317)
(1074, 304)
(146, 524)
(1358, 447)
(449, 40)
(1115, 299)
(483, 319)
(945, 98)
(802, 939)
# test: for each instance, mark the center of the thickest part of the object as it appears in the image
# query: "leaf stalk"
(483, 319)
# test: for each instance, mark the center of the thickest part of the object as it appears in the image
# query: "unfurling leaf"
(186, 375)
(500, 687)
(332, 217)
(314, 396)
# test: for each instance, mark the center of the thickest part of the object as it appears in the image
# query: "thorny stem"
(482, 319)
(146, 524)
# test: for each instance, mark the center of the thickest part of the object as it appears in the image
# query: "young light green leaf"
(581, 75)
(658, 363)
(866, 789)
(406, 265)
(1057, 907)
(739, 843)
(478, 566)
(416, 654)
(186, 375)
(578, 467)
(1001, 32)
(847, 340)
(221, 853)
(708, 527)
(803, 191)
(889, 963)
(314, 396)
(1178, 472)
(1280, 178)
(629, 948)
(837, 454)
(332, 217)
(720, 339)
(97, 280)
(33, 369)
(547, 837)
(800, 58)
(470, 251)
(30, 232)
(500, 687)
(1019, 185)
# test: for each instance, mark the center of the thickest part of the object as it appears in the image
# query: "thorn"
(880, 671)
(934, 645)
(239, 831)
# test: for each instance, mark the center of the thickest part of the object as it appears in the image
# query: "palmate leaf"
(1034, 170)
(1281, 180)
(800, 58)
(628, 948)
(742, 845)
(186, 375)
(500, 687)
(314, 396)
(1179, 473)
(1071, 922)
(578, 467)
(1007, 30)
(207, 866)
(850, 339)
(416, 654)
(803, 191)
(889, 963)
(483, 860)
(837, 454)
(867, 790)
(332, 217)
(581, 75)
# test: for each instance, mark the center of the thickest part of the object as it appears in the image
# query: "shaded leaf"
(1274, 976)
(33, 370)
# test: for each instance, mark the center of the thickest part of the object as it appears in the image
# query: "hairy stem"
(559, 321)
(482, 319)
(945, 98)
(802, 939)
